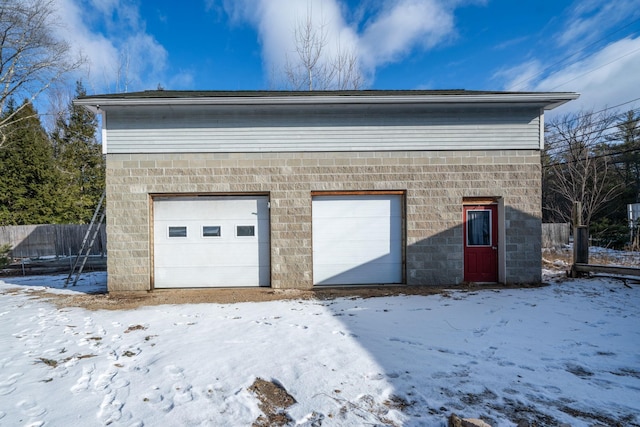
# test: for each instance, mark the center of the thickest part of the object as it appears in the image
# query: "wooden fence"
(32, 241)
(555, 235)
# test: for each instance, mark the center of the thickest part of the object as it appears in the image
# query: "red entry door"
(481, 243)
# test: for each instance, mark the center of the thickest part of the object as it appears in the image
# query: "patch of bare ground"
(274, 400)
(528, 416)
(132, 300)
(601, 419)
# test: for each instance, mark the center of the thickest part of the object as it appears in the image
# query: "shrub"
(608, 234)
(4, 254)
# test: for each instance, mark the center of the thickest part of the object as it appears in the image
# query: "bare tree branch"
(578, 167)
(32, 57)
(313, 66)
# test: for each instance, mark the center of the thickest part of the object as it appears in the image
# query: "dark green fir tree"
(31, 190)
(79, 158)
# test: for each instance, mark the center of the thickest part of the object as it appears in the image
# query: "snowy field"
(565, 353)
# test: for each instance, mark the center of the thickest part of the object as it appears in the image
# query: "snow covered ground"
(565, 353)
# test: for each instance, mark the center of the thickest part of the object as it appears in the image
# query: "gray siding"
(331, 128)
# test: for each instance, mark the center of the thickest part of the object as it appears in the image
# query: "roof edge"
(547, 100)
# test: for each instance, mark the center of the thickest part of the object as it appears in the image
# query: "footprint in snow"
(313, 419)
(104, 380)
(174, 371)
(405, 341)
(153, 396)
(23, 334)
(70, 329)
(31, 408)
(374, 376)
(182, 393)
(110, 409)
(88, 322)
(157, 399)
(138, 369)
(553, 389)
(120, 383)
(344, 334)
(85, 379)
(293, 325)
(8, 386)
(480, 331)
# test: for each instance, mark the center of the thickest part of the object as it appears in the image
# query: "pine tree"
(30, 188)
(628, 159)
(79, 157)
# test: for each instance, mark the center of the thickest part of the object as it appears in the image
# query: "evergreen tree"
(79, 158)
(30, 187)
(628, 157)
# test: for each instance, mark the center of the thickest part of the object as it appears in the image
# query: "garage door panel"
(328, 252)
(382, 274)
(215, 277)
(362, 228)
(367, 207)
(222, 207)
(205, 257)
(357, 239)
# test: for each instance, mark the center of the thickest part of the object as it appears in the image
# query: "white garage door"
(357, 239)
(211, 241)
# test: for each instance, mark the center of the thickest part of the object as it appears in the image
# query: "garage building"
(309, 189)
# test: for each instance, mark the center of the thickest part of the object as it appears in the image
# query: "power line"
(517, 85)
(612, 117)
(594, 69)
(559, 152)
(598, 156)
(611, 108)
(595, 124)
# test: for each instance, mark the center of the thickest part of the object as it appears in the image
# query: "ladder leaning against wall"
(87, 242)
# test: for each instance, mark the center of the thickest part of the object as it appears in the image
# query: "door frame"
(498, 223)
(172, 195)
(403, 227)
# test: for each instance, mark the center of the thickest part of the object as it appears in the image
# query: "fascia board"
(546, 100)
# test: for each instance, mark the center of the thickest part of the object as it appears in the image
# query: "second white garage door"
(212, 241)
(357, 239)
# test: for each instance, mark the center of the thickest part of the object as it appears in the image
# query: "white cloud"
(120, 54)
(589, 20)
(518, 77)
(589, 54)
(277, 22)
(403, 25)
(607, 78)
(378, 34)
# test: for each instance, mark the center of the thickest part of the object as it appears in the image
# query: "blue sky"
(588, 46)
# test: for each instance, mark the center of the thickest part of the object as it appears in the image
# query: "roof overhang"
(546, 100)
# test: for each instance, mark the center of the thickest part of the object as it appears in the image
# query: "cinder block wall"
(435, 184)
